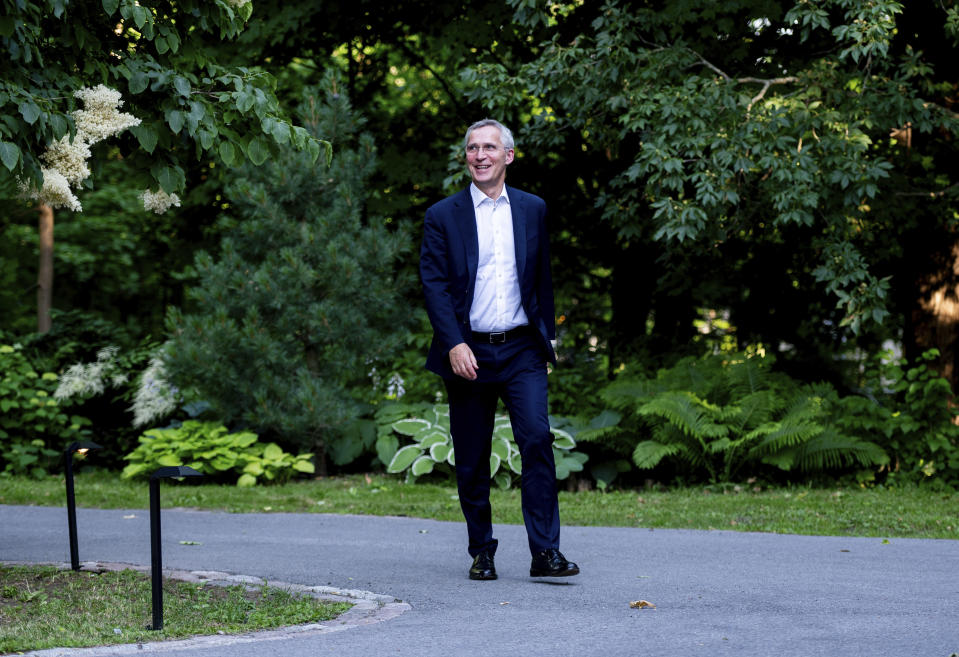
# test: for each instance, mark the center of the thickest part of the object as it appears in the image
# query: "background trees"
(760, 176)
(300, 306)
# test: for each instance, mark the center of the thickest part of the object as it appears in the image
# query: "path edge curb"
(368, 608)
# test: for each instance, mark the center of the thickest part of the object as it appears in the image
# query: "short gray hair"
(505, 135)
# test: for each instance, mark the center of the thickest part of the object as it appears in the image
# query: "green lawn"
(43, 607)
(909, 511)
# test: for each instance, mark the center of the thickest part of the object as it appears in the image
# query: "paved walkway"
(716, 592)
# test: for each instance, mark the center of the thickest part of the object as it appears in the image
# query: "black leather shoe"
(483, 567)
(552, 563)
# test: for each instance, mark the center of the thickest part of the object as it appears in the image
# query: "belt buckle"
(497, 337)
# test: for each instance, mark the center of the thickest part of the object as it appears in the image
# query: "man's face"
(486, 158)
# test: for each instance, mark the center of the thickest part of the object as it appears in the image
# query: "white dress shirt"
(497, 305)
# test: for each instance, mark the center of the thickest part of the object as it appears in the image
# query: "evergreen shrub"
(304, 299)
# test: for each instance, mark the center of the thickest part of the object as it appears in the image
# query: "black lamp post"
(76, 447)
(156, 557)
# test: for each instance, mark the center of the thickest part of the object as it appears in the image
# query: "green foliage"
(728, 123)
(34, 428)
(163, 58)
(303, 299)
(432, 450)
(209, 448)
(910, 411)
(727, 416)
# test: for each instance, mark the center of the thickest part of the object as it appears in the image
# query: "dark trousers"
(515, 372)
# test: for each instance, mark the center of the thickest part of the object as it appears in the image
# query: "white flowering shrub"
(66, 159)
(159, 201)
(87, 379)
(101, 116)
(155, 398)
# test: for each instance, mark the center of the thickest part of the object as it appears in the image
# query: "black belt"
(497, 337)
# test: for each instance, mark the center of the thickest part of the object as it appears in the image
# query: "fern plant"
(722, 415)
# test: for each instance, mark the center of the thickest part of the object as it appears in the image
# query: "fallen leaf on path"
(132, 515)
(504, 603)
(190, 543)
(642, 604)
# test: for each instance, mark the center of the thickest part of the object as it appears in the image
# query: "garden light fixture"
(155, 555)
(76, 447)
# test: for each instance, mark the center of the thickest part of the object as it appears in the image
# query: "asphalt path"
(715, 592)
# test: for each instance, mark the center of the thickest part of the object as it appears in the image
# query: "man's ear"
(509, 155)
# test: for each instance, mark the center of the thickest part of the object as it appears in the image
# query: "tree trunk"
(935, 320)
(45, 270)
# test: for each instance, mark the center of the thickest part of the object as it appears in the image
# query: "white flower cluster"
(159, 201)
(55, 192)
(66, 161)
(101, 117)
(155, 398)
(237, 3)
(91, 378)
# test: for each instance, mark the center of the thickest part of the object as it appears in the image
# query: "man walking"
(484, 264)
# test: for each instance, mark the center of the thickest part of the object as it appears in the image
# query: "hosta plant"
(432, 450)
(210, 448)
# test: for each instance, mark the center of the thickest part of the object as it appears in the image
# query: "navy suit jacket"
(449, 257)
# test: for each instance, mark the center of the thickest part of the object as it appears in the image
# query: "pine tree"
(303, 299)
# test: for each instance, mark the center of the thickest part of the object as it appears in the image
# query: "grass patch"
(908, 511)
(44, 607)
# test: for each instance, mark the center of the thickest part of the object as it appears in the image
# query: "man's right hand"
(463, 361)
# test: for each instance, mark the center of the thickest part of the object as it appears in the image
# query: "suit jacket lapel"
(466, 220)
(519, 229)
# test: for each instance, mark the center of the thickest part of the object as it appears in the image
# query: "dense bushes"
(725, 417)
(34, 429)
(211, 449)
(425, 430)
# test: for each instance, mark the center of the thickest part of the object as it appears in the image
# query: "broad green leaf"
(410, 426)
(182, 85)
(516, 463)
(9, 155)
(29, 111)
(503, 480)
(500, 447)
(429, 438)
(175, 119)
(146, 135)
(494, 462)
(562, 439)
(421, 466)
(258, 150)
(404, 458)
(272, 452)
(139, 81)
(440, 451)
(169, 460)
(227, 153)
(254, 468)
(243, 439)
(386, 447)
(223, 463)
(246, 480)
(573, 465)
(303, 465)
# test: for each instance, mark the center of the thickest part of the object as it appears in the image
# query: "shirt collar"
(479, 196)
